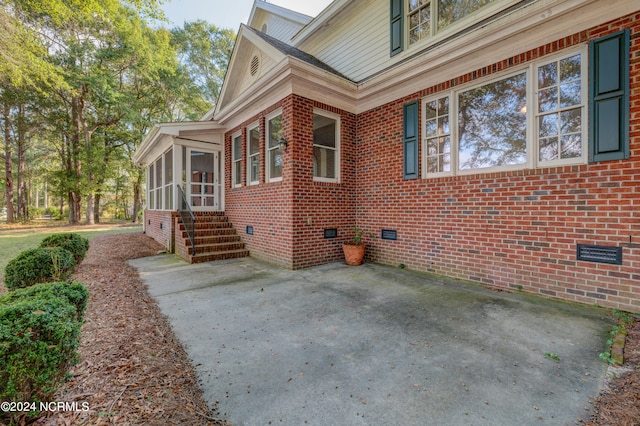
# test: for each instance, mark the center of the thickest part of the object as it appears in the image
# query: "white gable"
(251, 60)
(276, 21)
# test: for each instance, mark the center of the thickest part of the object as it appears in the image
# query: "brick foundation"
(160, 225)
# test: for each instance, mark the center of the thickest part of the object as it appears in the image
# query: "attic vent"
(255, 64)
(600, 254)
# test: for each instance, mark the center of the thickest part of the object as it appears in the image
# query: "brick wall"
(267, 207)
(160, 225)
(321, 205)
(288, 228)
(511, 230)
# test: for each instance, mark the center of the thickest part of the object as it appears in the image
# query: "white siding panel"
(280, 28)
(356, 47)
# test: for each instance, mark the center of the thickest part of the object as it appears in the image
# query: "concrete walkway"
(373, 345)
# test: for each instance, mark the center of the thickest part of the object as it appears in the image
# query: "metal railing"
(187, 217)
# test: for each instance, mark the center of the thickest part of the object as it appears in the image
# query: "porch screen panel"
(151, 204)
(158, 184)
(168, 180)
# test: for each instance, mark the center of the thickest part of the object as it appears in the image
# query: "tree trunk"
(137, 195)
(7, 162)
(96, 213)
(22, 184)
(74, 168)
(90, 219)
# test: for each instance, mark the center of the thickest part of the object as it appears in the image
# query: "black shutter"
(609, 97)
(396, 30)
(410, 140)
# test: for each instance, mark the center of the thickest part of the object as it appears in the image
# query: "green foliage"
(39, 335)
(38, 266)
(623, 319)
(358, 233)
(74, 243)
(74, 293)
(552, 356)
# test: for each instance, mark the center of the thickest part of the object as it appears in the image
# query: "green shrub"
(75, 243)
(74, 293)
(39, 337)
(38, 266)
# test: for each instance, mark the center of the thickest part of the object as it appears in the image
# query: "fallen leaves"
(132, 369)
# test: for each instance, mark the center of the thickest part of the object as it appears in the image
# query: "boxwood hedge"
(39, 336)
(38, 265)
(75, 243)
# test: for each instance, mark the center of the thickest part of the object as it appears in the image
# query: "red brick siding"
(320, 205)
(160, 225)
(508, 229)
(268, 207)
(282, 233)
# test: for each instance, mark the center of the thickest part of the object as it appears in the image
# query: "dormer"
(276, 21)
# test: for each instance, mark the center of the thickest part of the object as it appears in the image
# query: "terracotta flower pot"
(353, 255)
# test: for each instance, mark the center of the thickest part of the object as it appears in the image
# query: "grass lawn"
(14, 241)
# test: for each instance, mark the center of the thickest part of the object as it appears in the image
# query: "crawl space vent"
(600, 254)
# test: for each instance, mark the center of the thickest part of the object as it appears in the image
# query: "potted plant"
(355, 249)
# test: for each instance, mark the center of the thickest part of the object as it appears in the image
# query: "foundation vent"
(600, 254)
(389, 234)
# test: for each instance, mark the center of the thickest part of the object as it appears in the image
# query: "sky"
(230, 13)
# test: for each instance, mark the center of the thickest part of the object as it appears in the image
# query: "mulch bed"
(619, 404)
(132, 369)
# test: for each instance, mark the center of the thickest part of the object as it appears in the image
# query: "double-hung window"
(253, 154)
(236, 171)
(273, 150)
(532, 117)
(560, 109)
(326, 146)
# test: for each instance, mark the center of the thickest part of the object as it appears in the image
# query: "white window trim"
(467, 21)
(250, 127)
(532, 144)
(338, 163)
(267, 151)
(234, 175)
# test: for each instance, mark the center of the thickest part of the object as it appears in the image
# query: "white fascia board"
(289, 76)
(532, 26)
(156, 141)
(139, 157)
(323, 19)
(228, 73)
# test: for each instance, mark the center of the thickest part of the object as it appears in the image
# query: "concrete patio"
(374, 345)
